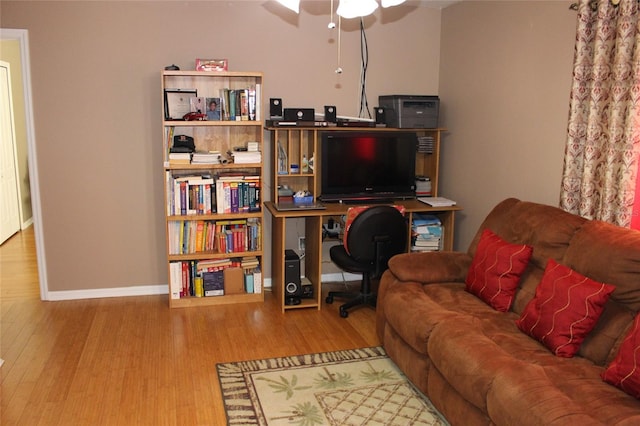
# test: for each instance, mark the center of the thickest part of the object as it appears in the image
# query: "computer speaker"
(330, 114)
(380, 116)
(275, 107)
(292, 284)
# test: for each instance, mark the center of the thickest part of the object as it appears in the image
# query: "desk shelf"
(313, 235)
(291, 145)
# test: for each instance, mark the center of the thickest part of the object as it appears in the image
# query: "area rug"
(353, 387)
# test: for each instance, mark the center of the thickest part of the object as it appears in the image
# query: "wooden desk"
(313, 241)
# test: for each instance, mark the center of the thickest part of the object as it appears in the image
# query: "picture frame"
(213, 113)
(177, 103)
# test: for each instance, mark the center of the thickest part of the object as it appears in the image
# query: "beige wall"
(505, 80)
(97, 106)
(10, 52)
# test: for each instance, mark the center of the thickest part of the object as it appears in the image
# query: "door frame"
(22, 36)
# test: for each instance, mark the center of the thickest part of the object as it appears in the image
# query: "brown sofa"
(473, 362)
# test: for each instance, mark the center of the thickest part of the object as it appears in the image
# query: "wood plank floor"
(134, 361)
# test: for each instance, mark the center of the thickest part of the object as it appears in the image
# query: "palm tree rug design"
(353, 387)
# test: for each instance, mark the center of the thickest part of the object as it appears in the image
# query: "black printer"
(410, 111)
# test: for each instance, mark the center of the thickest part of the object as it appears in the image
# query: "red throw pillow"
(496, 269)
(564, 310)
(624, 371)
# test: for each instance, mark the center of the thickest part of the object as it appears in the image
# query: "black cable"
(364, 58)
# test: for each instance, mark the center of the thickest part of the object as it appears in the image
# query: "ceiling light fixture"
(291, 4)
(347, 8)
(389, 3)
(356, 8)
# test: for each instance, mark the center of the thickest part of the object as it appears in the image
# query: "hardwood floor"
(134, 361)
(19, 267)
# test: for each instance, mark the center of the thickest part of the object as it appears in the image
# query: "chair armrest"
(431, 267)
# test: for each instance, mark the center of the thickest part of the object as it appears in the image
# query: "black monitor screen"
(361, 165)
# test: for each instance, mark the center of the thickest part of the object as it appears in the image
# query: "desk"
(313, 241)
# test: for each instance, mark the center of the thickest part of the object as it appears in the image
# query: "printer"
(410, 111)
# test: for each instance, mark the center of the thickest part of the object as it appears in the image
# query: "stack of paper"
(426, 233)
(437, 201)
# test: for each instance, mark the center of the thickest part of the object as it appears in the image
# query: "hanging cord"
(338, 67)
(364, 59)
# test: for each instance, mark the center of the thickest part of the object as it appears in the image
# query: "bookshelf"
(291, 145)
(213, 208)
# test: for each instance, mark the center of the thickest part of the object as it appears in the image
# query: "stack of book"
(221, 236)
(252, 274)
(425, 144)
(426, 233)
(203, 278)
(176, 158)
(211, 157)
(237, 193)
(190, 194)
(241, 104)
(247, 157)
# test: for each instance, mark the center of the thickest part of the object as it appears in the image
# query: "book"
(248, 281)
(175, 279)
(437, 201)
(257, 280)
(213, 283)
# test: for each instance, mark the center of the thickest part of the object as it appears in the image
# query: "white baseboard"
(142, 290)
(27, 223)
(151, 290)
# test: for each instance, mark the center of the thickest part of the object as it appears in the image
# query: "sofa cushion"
(496, 269)
(565, 309)
(549, 230)
(413, 314)
(624, 371)
(516, 379)
(609, 254)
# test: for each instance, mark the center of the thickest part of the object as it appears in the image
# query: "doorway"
(9, 200)
(21, 36)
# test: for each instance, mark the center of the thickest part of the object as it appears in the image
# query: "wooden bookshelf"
(202, 230)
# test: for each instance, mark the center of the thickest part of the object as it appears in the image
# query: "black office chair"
(375, 235)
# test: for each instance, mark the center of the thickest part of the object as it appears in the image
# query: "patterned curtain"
(603, 144)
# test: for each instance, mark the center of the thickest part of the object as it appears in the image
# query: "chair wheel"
(329, 299)
(344, 313)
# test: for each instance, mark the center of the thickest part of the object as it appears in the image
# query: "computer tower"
(292, 285)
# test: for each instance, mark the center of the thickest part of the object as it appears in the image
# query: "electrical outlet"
(301, 244)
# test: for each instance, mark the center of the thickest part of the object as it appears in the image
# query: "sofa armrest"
(431, 267)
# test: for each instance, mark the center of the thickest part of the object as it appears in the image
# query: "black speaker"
(330, 114)
(292, 285)
(380, 116)
(299, 114)
(275, 107)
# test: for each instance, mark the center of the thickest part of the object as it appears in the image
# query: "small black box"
(330, 114)
(275, 108)
(380, 116)
(292, 287)
(299, 114)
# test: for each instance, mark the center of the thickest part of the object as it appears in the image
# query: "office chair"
(375, 235)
